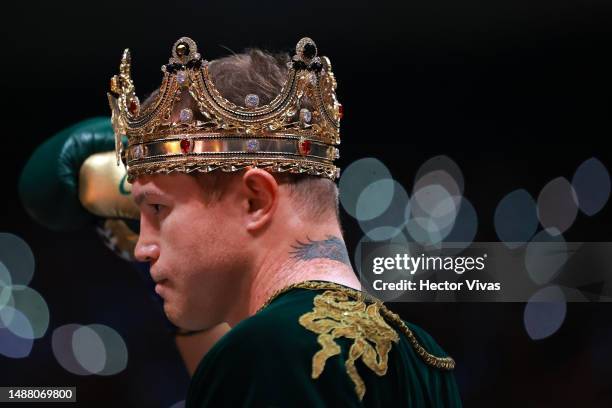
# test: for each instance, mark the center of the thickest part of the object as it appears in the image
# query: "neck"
(313, 257)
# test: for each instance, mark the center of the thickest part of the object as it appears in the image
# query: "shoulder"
(272, 332)
(266, 358)
(317, 346)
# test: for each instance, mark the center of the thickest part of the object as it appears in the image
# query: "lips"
(160, 286)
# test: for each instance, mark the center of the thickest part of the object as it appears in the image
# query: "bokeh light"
(12, 345)
(89, 349)
(116, 349)
(441, 170)
(464, 229)
(374, 199)
(445, 212)
(516, 218)
(24, 315)
(61, 344)
(557, 205)
(356, 177)
(591, 183)
(545, 312)
(545, 254)
(92, 349)
(424, 231)
(438, 178)
(433, 213)
(436, 205)
(384, 226)
(5, 286)
(427, 198)
(17, 257)
(16, 322)
(29, 302)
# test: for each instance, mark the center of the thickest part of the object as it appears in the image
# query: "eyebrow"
(138, 199)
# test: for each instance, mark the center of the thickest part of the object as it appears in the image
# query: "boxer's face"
(195, 248)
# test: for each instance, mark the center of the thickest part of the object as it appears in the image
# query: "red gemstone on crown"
(185, 146)
(340, 111)
(304, 147)
(133, 107)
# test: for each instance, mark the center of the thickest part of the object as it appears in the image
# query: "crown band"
(217, 145)
(232, 164)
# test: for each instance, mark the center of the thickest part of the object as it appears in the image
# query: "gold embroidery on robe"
(334, 316)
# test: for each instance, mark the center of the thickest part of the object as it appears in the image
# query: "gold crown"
(281, 136)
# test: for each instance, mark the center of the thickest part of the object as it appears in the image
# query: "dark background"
(516, 92)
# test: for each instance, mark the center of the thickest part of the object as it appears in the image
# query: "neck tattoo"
(330, 248)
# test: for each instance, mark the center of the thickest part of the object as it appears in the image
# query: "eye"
(156, 208)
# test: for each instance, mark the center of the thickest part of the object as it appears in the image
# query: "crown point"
(126, 60)
(306, 49)
(183, 50)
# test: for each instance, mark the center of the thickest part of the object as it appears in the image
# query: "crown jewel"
(214, 133)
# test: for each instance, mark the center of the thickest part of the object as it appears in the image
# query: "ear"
(261, 190)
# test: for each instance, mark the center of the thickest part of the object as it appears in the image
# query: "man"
(232, 169)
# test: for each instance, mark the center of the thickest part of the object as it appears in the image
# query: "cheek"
(191, 236)
(178, 238)
(201, 245)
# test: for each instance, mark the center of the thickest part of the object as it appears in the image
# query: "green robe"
(268, 360)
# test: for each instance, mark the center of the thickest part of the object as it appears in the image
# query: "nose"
(146, 252)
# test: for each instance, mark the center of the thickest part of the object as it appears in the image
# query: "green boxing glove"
(72, 181)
